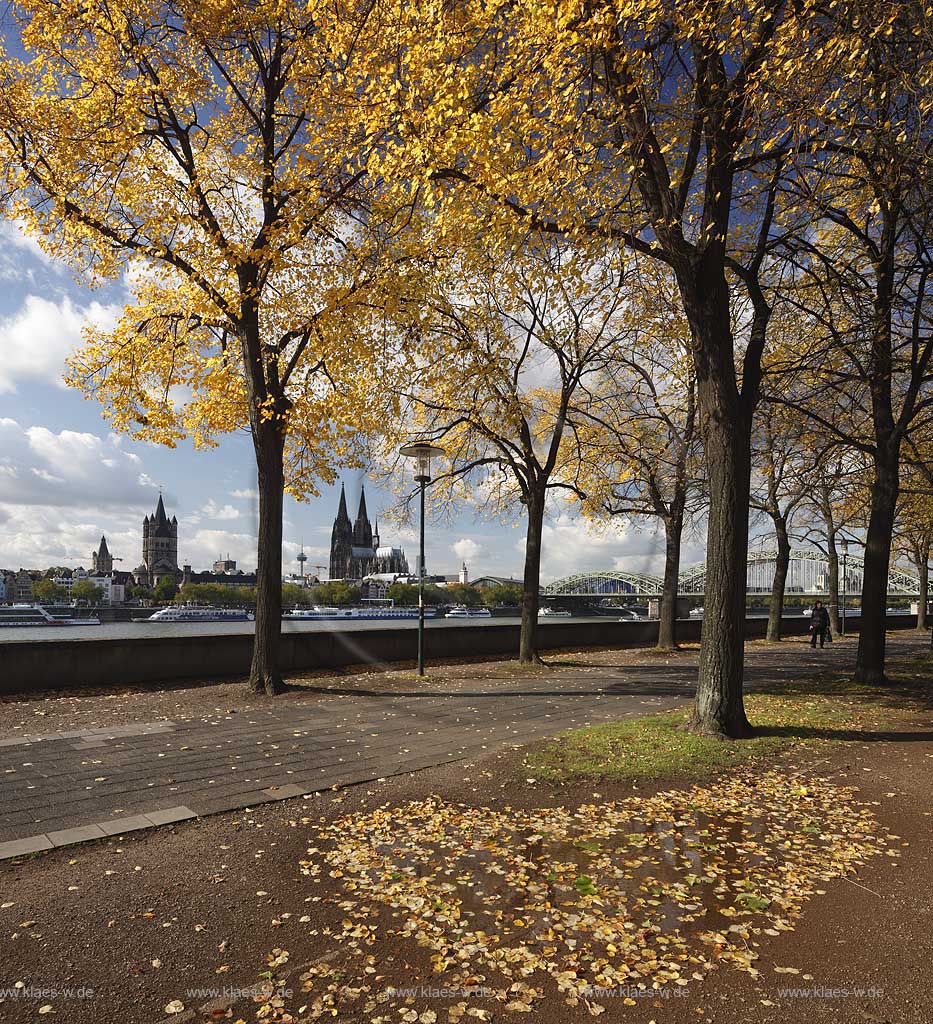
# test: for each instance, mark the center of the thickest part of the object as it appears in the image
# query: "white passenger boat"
(461, 611)
(196, 613)
(553, 613)
(36, 615)
(319, 612)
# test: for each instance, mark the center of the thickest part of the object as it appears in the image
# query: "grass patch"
(790, 715)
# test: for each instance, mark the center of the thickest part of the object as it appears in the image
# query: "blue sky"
(65, 478)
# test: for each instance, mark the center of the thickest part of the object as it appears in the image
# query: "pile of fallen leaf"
(646, 892)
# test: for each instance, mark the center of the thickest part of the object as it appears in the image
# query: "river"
(142, 628)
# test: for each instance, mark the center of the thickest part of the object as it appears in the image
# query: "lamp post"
(422, 453)
(845, 566)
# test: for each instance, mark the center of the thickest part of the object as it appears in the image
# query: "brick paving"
(75, 786)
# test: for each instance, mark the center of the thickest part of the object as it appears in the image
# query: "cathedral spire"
(342, 514)
(376, 533)
(362, 528)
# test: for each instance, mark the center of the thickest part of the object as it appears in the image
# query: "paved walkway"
(72, 787)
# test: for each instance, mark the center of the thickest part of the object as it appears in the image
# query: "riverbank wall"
(90, 663)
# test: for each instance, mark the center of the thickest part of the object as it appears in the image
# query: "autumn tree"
(866, 271)
(913, 535)
(86, 592)
(511, 340)
(641, 440)
(211, 153)
(833, 505)
(785, 459)
(47, 591)
(662, 127)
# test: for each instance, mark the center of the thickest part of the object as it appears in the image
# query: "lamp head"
(422, 452)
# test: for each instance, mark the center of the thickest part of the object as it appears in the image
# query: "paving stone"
(28, 844)
(118, 826)
(80, 834)
(169, 815)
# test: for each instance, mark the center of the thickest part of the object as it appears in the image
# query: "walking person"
(819, 624)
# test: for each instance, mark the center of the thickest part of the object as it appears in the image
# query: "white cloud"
(39, 536)
(21, 256)
(211, 510)
(466, 549)
(202, 548)
(68, 469)
(36, 339)
(13, 233)
(570, 545)
(245, 492)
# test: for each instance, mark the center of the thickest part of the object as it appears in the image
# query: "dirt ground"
(140, 923)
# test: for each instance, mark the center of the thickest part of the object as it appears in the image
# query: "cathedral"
(355, 551)
(160, 548)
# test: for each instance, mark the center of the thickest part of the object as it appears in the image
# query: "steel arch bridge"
(604, 584)
(808, 574)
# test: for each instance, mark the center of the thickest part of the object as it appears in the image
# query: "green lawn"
(795, 715)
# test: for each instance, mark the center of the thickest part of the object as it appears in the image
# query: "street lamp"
(845, 567)
(422, 453)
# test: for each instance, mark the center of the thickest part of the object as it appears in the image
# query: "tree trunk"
(719, 708)
(528, 640)
(781, 565)
(265, 675)
(727, 417)
(667, 624)
(923, 570)
(832, 558)
(869, 665)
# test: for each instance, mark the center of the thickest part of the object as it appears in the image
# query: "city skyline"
(67, 478)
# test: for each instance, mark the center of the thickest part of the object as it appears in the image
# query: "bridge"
(808, 575)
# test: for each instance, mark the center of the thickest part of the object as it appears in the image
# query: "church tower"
(341, 542)
(160, 547)
(101, 559)
(362, 528)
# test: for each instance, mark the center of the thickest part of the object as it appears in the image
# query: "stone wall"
(58, 664)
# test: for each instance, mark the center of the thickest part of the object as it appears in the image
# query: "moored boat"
(319, 612)
(196, 613)
(461, 611)
(36, 615)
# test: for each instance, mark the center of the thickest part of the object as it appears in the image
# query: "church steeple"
(342, 514)
(376, 534)
(362, 528)
(101, 559)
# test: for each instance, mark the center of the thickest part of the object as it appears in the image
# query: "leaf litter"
(646, 892)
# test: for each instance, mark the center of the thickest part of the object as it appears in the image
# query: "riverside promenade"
(121, 772)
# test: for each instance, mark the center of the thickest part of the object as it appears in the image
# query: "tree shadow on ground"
(847, 735)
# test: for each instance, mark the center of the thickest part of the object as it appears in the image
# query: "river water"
(142, 628)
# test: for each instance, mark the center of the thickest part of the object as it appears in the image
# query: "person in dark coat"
(819, 624)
